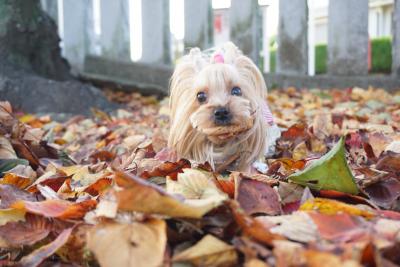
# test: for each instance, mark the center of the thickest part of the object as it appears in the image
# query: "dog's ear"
(182, 78)
(251, 73)
(246, 68)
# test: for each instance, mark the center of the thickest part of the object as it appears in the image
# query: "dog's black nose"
(222, 116)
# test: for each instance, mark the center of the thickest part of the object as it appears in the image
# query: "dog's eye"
(201, 97)
(236, 91)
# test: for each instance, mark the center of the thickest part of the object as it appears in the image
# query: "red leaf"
(226, 186)
(55, 208)
(389, 162)
(384, 193)
(165, 169)
(103, 155)
(34, 229)
(340, 227)
(39, 255)
(257, 197)
(298, 130)
(252, 227)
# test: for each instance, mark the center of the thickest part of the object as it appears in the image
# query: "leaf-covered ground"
(106, 191)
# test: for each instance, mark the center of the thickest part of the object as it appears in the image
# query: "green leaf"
(8, 164)
(330, 172)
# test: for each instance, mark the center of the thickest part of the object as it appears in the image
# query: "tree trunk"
(29, 40)
(33, 75)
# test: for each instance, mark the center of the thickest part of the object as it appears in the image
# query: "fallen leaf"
(385, 193)
(32, 230)
(209, 251)
(297, 226)
(141, 196)
(6, 149)
(16, 180)
(10, 194)
(322, 125)
(288, 253)
(390, 162)
(296, 131)
(136, 244)
(291, 165)
(340, 227)
(165, 169)
(328, 172)
(8, 164)
(40, 254)
(197, 187)
(290, 192)
(332, 207)
(56, 208)
(300, 152)
(256, 197)
(11, 215)
(325, 259)
(393, 146)
(251, 227)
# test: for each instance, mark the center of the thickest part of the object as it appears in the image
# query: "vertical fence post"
(265, 40)
(396, 39)
(74, 32)
(156, 36)
(292, 55)
(245, 27)
(198, 24)
(348, 37)
(115, 37)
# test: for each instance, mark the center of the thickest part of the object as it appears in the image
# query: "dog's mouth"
(223, 133)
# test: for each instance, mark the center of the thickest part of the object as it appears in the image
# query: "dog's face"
(216, 107)
(222, 108)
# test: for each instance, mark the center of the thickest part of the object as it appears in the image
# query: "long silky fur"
(192, 144)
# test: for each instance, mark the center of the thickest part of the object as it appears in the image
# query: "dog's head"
(215, 101)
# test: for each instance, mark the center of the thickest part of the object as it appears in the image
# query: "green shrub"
(381, 56)
(321, 56)
(381, 53)
(272, 60)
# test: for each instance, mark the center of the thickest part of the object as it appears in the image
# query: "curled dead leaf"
(125, 245)
(209, 251)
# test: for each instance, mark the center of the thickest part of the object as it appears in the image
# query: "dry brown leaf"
(139, 195)
(6, 149)
(209, 251)
(129, 245)
(322, 125)
(36, 257)
(297, 226)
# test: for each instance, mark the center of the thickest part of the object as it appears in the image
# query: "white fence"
(103, 28)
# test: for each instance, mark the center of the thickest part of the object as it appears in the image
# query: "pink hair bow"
(218, 58)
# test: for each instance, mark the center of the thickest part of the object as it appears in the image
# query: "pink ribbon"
(218, 58)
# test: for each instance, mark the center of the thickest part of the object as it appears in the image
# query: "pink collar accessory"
(267, 114)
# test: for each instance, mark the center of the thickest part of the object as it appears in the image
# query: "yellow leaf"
(209, 251)
(11, 215)
(14, 179)
(331, 207)
(300, 151)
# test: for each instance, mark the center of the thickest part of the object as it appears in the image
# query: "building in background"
(379, 20)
